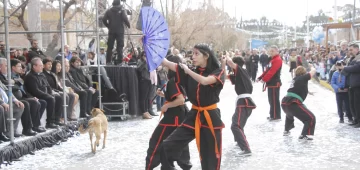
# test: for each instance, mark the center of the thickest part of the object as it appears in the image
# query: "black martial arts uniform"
(173, 117)
(273, 82)
(203, 121)
(254, 66)
(244, 105)
(292, 104)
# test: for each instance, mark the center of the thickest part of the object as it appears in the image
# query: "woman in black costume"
(174, 114)
(203, 86)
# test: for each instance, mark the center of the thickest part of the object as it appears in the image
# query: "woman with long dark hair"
(174, 114)
(56, 69)
(202, 86)
(144, 86)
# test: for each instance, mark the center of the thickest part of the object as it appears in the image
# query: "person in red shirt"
(272, 80)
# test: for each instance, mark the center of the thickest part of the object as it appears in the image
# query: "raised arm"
(169, 64)
(312, 71)
(230, 62)
(199, 78)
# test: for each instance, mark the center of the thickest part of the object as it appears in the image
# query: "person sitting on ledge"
(79, 77)
(37, 85)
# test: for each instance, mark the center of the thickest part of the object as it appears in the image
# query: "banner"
(257, 43)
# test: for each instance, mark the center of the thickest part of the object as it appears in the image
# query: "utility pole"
(223, 3)
(307, 23)
(336, 20)
(295, 36)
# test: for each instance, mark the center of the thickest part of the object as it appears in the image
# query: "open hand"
(5, 106)
(19, 104)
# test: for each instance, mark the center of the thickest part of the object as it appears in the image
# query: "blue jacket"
(335, 83)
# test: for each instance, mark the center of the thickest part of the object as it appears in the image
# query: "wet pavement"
(335, 146)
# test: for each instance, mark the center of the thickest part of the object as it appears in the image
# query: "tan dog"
(97, 125)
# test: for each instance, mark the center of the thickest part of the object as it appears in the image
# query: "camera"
(338, 64)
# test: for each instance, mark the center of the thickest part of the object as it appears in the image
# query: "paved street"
(335, 146)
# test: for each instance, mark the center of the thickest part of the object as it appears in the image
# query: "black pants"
(91, 100)
(119, 37)
(31, 115)
(43, 106)
(83, 97)
(2, 120)
(144, 91)
(59, 105)
(354, 98)
(274, 101)
(343, 98)
(263, 66)
(53, 103)
(153, 153)
(69, 102)
(173, 146)
(17, 114)
(300, 111)
(253, 73)
(237, 126)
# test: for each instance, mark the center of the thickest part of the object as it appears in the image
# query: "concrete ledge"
(325, 84)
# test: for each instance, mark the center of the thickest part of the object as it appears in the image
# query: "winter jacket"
(353, 71)
(114, 19)
(338, 81)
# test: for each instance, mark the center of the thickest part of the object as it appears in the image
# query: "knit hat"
(116, 3)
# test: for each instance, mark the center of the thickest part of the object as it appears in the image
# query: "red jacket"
(272, 74)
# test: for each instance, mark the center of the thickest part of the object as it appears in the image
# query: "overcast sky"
(288, 11)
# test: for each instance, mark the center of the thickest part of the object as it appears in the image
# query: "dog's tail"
(89, 126)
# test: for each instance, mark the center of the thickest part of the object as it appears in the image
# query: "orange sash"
(209, 122)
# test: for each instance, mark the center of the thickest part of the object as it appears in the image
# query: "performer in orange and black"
(203, 86)
(293, 106)
(273, 82)
(244, 103)
(174, 114)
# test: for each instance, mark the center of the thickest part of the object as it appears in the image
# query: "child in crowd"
(338, 84)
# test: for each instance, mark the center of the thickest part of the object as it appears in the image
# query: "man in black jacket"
(114, 20)
(264, 60)
(37, 106)
(254, 64)
(35, 51)
(57, 90)
(36, 84)
(352, 70)
(79, 77)
(26, 116)
(83, 95)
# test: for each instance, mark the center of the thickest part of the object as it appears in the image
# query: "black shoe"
(304, 137)
(286, 133)
(245, 153)
(353, 123)
(51, 126)
(341, 121)
(39, 129)
(29, 132)
(357, 125)
(59, 124)
(274, 119)
(16, 135)
(4, 138)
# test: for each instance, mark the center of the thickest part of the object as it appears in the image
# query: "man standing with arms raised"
(273, 82)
